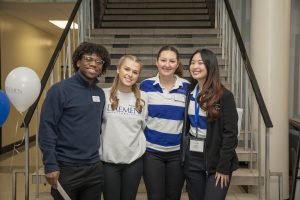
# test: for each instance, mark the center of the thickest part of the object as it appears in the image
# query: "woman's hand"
(224, 179)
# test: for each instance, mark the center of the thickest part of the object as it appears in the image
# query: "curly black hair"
(90, 48)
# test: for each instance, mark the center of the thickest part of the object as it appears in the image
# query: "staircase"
(141, 27)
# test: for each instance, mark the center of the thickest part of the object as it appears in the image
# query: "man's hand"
(52, 178)
(224, 179)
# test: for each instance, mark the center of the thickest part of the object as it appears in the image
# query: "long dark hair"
(179, 70)
(212, 89)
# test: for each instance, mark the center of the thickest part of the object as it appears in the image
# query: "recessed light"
(62, 24)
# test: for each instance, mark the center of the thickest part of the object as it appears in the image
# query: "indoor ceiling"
(39, 14)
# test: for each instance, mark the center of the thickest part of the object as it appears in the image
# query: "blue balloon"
(4, 107)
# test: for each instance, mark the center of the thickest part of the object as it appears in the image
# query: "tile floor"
(8, 163)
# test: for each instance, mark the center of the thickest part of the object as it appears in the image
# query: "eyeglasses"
(90, 59)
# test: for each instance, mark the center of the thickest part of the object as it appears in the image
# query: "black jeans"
(121, 181)
(200, 184)
(163, 175)
(81, 182)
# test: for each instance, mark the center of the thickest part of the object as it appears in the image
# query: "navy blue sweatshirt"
(70, 123)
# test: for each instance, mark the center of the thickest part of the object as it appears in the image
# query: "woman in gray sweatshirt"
(123, 140)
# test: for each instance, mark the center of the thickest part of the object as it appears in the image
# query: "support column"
(270, 46)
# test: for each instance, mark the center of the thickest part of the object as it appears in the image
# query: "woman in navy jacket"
(210, 131)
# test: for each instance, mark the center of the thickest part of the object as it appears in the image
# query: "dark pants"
(121, 181)
(200, 184)
(80, 182)
(163, 175)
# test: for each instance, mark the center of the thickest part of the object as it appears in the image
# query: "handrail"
(51, 64)
(249, 69)
(295, 122)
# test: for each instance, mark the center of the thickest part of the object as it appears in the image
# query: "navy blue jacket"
(70, 123)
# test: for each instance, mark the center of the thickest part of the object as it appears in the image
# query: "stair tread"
(107, 85)
(245, 172)
(155, 31)
(143, 196)
(242, 150)
(157, 11)
(151, 61)
(154, 17)
(148, 24)
(241, 196)
(152, 72)
(154, 50)
(152, 41)
(157, 1)
(238, 172)
(156, 5)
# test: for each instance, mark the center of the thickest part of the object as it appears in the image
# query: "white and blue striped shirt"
(165, 114)
(200, 130)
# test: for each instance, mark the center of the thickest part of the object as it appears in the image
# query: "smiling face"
(167, 63)
(128, 73)
(197, 68)
(90, 66)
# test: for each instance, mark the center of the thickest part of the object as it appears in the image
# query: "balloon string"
(17, 145)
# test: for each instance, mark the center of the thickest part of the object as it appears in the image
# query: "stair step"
(41, 177)
(108, 85)
(155, 17)
(143, 196)
(157, 41)
(147, 73)
(244, 176)
(155, 24)
(166, 11)
(241, 196)
(42, 196)
(157, 1)
(154, 50)
(245, 155)
(152, 32)
(141, 5)
(151, 61)
(239, 177)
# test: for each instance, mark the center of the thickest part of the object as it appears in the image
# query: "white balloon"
(22, 86)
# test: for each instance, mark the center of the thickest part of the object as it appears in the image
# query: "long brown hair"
(139, 103)
(212, 89)
(179, 70)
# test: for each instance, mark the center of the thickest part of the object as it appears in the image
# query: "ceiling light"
(62, 24)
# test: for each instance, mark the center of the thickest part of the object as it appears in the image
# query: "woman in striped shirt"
(163, 173)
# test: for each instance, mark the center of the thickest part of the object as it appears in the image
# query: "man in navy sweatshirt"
(70, 127)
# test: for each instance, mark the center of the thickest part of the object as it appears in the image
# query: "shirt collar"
(194, 91)
(83, 80)
(178, 82)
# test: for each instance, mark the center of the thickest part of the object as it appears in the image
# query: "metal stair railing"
(59, 68)
(247, 93)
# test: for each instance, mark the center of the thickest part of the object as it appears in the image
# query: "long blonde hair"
(139, 103)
